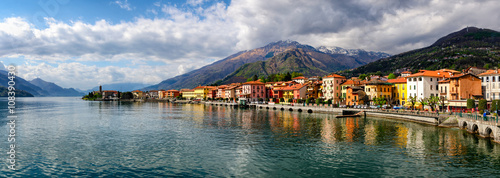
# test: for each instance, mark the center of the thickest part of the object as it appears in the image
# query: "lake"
(66, 136)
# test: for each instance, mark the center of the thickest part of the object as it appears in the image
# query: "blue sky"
(82, 44)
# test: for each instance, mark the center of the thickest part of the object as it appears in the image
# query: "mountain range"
(54, 90)
(470, 46)
(279, 55)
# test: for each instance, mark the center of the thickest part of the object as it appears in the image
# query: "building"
(331, 87)
(172, 93)
(424, 84)
(399, 90)
(202, 92)
(161, 94)
(188, 93)
(153, 94)
(405, 74)
(294, 92)
(354, 95)
(465, 86)
(110, 94)
(137, 94)
(490, 84)
(230, 92)
(300, 79)
(474, 70)
(221, 91)
(314, 89)
(377, 89)
(353, 82)
(253, 90)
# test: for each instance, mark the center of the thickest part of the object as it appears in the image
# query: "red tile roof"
(333, 76)
(438, 73)
(298, 78)
(490, 72)
(398, 80)
(253, 83)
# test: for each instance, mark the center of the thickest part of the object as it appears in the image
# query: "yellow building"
(378, 89)
(201, 92)
(188, 93)
(399, 90)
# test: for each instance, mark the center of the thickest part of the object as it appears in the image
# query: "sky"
(83, 44)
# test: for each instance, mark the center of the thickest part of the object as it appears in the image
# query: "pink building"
(253, 90)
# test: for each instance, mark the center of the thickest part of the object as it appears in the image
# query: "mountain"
(300, 60)
(222, 68)
(22, 84)
(53, 89)
(120, 87)
(470, 46)
(359, 54)
(19, 93)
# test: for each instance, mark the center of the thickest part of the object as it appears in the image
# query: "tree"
(391, 76)
(378, 73)
(288, 76)
(318, 101)
(471, 103)
(296, 74)
(487, 66)
(413, 101)
(255, 78)
(290, 100)
(263, 79)
(308, 101)
(432, 101)
(441, 101)
(423, 101)
(329, 101)
(127, 95)
(379, 101)
(494, 105)
(362, 76)
(249, 79)
(482, 105)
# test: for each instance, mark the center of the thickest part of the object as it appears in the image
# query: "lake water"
(71, 137)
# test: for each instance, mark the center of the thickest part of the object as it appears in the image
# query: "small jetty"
(350, 113)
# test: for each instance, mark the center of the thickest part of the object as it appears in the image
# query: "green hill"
(468, 47)
(19, 93)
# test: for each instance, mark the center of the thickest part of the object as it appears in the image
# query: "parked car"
(373, 107)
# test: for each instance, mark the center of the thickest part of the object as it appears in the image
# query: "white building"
(424, 84)
(490, 84)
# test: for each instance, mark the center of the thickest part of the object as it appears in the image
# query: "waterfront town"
(443, 90)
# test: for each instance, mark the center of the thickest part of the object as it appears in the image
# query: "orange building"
(464, 86)
(353, 95)
(171, 93)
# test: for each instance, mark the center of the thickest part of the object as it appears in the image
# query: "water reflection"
(168, 140)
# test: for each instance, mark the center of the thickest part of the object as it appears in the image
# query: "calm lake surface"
(71, 137)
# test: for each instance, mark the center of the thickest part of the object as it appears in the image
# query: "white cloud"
(124, 5)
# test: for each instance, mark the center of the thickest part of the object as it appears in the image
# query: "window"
(403, 95)
(431, 79)
(437, 87)
(445, 89)
(403, 87)
(414, 87)
(420, 79)
(432, 94)
(493, 80)
(431, 87)
(441, 89)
